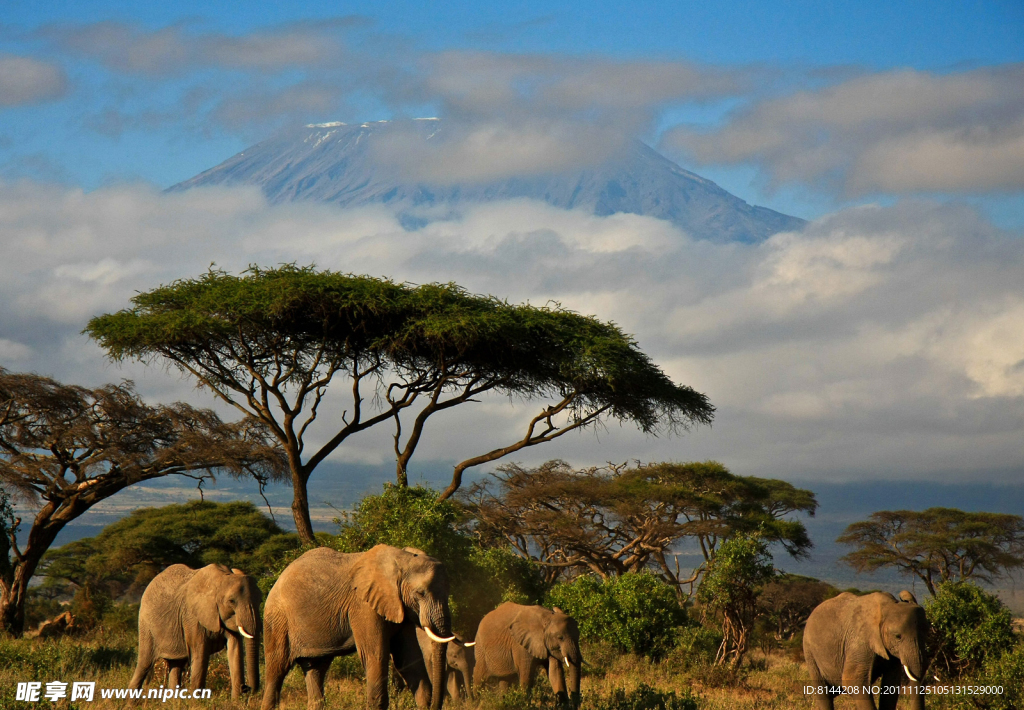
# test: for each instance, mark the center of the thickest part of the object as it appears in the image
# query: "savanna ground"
(767, 682)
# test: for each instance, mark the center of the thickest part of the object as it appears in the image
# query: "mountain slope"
(340, 163)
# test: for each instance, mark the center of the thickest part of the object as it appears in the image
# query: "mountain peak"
(341, 163)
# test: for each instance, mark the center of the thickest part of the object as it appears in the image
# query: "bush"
(969, 628)
(644, 697)
(1007, 672)
(481, 578)
(697, 646)
(636, 613)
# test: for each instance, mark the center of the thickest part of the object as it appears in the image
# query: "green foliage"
(739, 571)
(481, 578)
(130, 552)
(298, 310)
(730, 589)
(969, 627)
(697, 646)
(644, 697)
(1007, 672)
(636, 612)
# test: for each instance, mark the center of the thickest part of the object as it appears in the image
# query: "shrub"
(969, 627)
(696, 646)
(644, 697)
(481, 578)
(637, 613)
(1007, 672)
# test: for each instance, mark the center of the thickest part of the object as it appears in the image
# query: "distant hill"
(336, 162)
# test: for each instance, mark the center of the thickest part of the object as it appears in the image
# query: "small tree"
(271, 341)
(63, 449)
(735, 578)
(618, 519)
(938, 545)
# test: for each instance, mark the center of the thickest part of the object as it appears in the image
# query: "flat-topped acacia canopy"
(269, 341)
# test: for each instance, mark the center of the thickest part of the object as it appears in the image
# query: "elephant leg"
(376, 667)
(277, 664)
(145, 662)
(454, 683)
(315, 672)
(200, 664)
(822, 701)
(503, 685)
(175, 669)
(892, 677)
(236, 666)
(857, 676)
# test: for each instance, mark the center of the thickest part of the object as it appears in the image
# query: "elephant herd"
(390, 606)
(387, 605)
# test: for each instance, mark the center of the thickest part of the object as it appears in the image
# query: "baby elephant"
(513, 641)
(189, 614)
(459, 660)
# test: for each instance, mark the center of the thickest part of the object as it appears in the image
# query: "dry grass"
(769, 682)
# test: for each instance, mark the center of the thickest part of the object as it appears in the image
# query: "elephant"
(459, 660)
(513, 641)
(854, 641)
(328, 603)
(186, 615)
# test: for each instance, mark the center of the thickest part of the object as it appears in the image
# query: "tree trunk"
(300, 508)
(12, 599)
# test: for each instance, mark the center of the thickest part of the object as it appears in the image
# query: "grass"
(611, 681)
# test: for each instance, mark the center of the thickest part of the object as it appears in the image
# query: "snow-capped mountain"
(341, 163)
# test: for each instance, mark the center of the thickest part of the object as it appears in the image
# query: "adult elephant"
(854, 641)
(415, 655)
(513, 641)
(187, 615)
(328, 603)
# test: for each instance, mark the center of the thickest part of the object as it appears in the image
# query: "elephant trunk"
(438, 654)
(249, 620)
(575, 663)
(435, 621)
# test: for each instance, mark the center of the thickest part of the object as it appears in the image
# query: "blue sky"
(70, 136)
(884, 340)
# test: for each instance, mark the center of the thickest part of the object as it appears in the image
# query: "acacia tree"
(617, 519)
(270, 342)
(63, 449)
(937, 545)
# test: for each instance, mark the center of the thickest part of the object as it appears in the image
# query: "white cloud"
(24, 80)
(878, 341)
(901, 131)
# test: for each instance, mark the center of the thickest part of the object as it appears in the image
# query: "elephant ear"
(376, 579)
(204, 592)
(875, 624)
(528, 631)
(908, 597)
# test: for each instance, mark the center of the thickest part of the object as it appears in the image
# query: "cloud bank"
(878, 342)
(897, 132)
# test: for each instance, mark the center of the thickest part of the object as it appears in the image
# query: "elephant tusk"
(909, 674)
(435, 638)
(242, 630)
(566, 659)
(470, 643)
